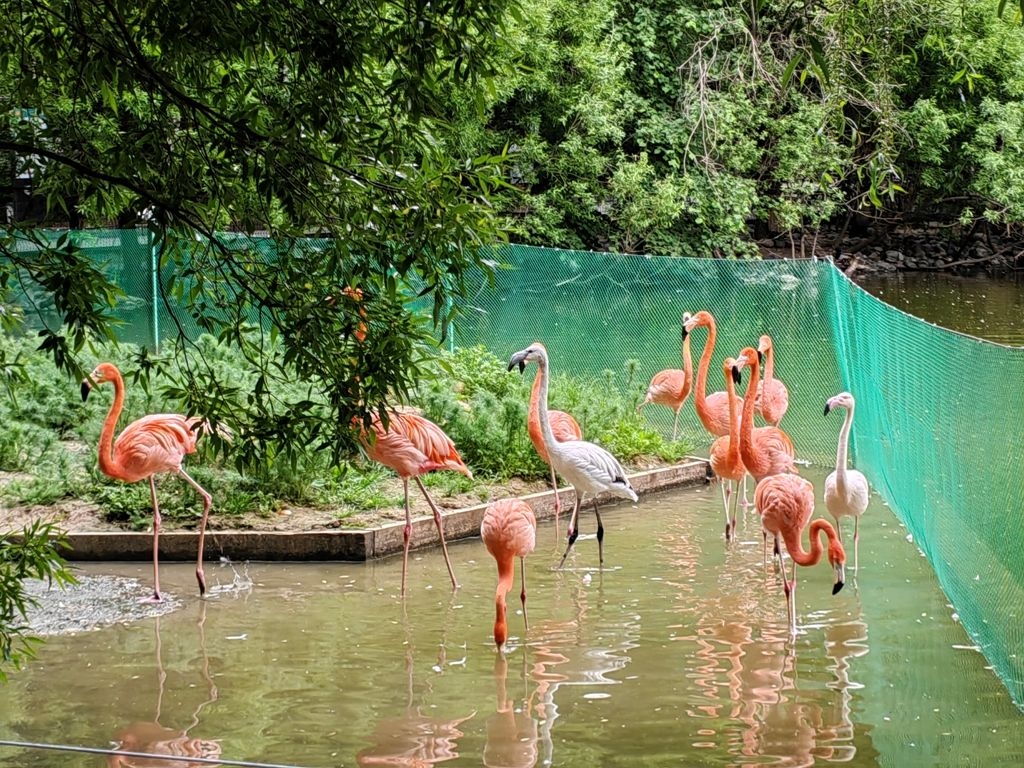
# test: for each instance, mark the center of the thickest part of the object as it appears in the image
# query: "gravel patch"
(93, 603)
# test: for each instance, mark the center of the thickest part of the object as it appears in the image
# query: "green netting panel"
(939, 430)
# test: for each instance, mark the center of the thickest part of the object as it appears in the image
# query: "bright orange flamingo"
(846, 490)
(509, 530)
(563, 426)
(786, 503)
(672, 386)
(725, 451)
(145, 448)
(412, 446)
(772, 395)
(713, 409)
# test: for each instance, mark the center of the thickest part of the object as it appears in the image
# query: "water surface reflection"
(677, 653)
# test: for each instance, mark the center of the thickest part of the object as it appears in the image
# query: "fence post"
(154, 269)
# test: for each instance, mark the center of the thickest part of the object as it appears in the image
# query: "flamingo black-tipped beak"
(836, 587)
(86, 388)
(828, 407)
(760, 357)
(737, 376)
(519, 358)
(840, 578)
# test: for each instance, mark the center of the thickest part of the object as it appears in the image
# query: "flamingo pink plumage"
(713, 409)
(563, 426)
(786, 503)
(509, 530)
(412, 445)
(149, 446)
(671, 387)
(725, 451)
(772, 395)
(765, 450)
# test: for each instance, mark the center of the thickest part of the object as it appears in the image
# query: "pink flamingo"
(786, 503)
(713, 409)
(772, 396)
(672, 386)
(846, 490)
(412, 446)
(509, 530)
(148, 446)
(725, 451)
(563, 426)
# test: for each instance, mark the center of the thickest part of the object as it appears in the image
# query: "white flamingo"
(846, 490)
(587, 467)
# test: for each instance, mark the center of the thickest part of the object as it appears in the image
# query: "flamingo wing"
(509, 527)
(154, 443)
(592, 469)
(785, 503)
(855, 498)
(564, 426)
(669, 387)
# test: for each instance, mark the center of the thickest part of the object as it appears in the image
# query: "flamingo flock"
(411, 446)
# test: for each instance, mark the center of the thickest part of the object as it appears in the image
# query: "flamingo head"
(842, 400)
(685, 319)
(748, 357)
(764, 345)
(837, 559)
(101, 373)
(732, 371)
(700, 319)
(534, 352)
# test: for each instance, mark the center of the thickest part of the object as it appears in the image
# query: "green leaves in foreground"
(32, 554)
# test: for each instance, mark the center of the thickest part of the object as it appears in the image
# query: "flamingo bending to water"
(846, 490)
(412, 445)
(671, 387)
(589, 468)
(725, 451)
(786, 503)
(509, 530)
(146, 447)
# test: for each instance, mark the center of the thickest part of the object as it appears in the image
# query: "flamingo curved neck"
(505, 574)
(841, 450)
(545, 423)
(687, 360)
(699, 401)
(106, 445)
(795, 546)
(734, 420)
(769, 365)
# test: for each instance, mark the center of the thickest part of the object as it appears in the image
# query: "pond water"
(986, 307)
(677, 653)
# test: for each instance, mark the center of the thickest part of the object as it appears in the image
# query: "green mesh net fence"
(939, 430)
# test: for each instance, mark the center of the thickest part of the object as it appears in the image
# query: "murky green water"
(989, 308)
(676, 654)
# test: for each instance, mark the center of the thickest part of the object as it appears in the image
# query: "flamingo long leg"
(522, 595)
(856, 542)
(675, 424)
(600, 536)
(440, 531)
(726, 493)
(155, 598)
(207, 501)
(573, 528)
(406, 533)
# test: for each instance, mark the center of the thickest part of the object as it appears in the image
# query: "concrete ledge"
(340, 544)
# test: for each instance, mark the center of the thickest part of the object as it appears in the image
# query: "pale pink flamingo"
(412, 445)
(846, 490)
(786, 503)
(563, 426)
(671, 387)
(772, 395)
(725, 451)
(589, 468)
(713, 409)
(509, 530)
(145, 448)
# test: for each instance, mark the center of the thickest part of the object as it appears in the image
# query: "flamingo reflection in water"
(156, 740)
(414, 739)
(511, 733)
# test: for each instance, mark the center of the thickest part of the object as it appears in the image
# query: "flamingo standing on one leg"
(786, 503)
(146, 447)
(509, 530)
(846, 490)
(725, 451)
(563, 426)
(589, 468)
(772, 395)
(412, 446)
(671, 386)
